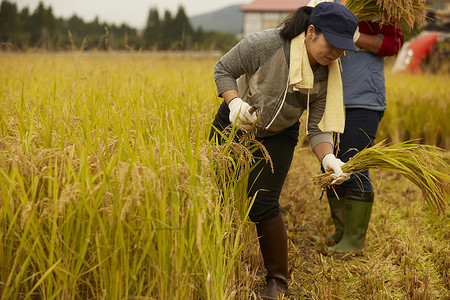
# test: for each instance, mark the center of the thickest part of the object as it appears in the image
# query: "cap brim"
(340, 41)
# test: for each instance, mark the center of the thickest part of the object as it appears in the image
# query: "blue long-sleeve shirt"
(363, 72)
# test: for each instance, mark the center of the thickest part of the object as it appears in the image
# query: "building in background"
(265, 14)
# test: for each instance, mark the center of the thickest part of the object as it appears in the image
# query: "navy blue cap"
(337, 23)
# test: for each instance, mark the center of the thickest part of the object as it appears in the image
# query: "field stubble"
(407, 246)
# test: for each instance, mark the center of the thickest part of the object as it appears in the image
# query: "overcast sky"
(132, 12)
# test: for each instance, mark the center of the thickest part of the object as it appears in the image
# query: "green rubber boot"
(358, 208)
(336, 200)
(337, 209)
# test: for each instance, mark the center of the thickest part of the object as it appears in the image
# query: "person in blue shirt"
(365, 101)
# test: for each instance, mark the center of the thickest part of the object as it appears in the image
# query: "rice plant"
(109, 187)
(417, 108)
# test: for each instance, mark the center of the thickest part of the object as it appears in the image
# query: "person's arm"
(322, 149)
(316, 111)
(371, 43)
(322, 142)
(229, 95)
(388, 45)
(233, 64)
(393, 40)
(322, 146)
(245, 58)
(382, 40)
(230, 67)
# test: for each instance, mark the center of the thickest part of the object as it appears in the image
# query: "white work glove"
(330, 161)
(356, 35)
(240, 115)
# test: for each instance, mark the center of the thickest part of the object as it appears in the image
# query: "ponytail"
(297, 24)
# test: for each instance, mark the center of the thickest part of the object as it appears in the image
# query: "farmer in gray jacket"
(280, 73)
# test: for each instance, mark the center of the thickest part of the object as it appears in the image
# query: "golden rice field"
(109, 189)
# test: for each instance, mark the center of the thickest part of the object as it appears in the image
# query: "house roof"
(271, 5)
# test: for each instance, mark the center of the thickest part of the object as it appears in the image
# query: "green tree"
(9, 22)
(43, 27)
(198, 37)
(213, 40)
(182, 30)
(152, 31)
(167, 31)
(123, 37)
(77, 32)
(24, 38)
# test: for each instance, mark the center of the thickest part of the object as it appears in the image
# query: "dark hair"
(298, 23)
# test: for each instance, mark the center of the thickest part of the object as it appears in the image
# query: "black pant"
(361, 126)
(262, 181)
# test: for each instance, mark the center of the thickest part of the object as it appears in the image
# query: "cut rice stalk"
(410, 12)
(423, 165)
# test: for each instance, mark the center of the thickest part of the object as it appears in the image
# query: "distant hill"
(228, 19)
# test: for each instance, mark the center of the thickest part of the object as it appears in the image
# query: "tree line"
(23, 30)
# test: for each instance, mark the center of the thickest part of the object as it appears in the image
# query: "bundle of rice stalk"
(410, 12)
(423, 165)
